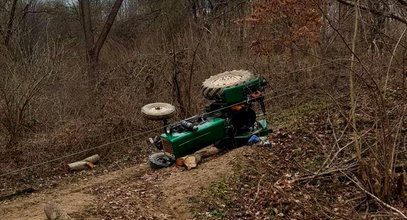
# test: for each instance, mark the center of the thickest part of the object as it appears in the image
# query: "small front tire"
(158, 111)
(160, 160)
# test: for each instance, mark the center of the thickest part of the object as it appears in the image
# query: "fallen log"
(78, 165)
(54, 212)
(192, 161)
(93, 159)
(85, 163)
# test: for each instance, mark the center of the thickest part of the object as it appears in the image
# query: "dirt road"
(132, 193)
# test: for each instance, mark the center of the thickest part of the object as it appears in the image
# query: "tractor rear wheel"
(158, 111)
(212, 88)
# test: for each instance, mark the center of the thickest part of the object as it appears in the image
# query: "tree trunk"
(106, 28)
(10, 23)
(84, 7)
(352, 95)
(93, 48)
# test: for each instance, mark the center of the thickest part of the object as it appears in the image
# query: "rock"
(54, 212)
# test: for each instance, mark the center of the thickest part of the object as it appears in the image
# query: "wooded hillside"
(74, 75)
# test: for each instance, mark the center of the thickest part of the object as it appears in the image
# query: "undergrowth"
(295, 180)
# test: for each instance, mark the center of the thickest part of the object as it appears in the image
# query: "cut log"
(192, 161)
(54, 212)
(208, 151)
(85, 163)
(78, 165)
(93, 159)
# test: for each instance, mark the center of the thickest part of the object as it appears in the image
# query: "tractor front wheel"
(158, 111)
(159, 160)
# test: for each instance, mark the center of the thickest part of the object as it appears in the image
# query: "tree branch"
(376, 12)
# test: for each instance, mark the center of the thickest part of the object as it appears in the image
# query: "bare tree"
(378, 12)
(93, 48)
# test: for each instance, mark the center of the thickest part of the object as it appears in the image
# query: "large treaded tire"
(158, 111)
(212, 88)
(159, 160)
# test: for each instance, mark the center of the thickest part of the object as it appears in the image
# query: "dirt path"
(181, 185)
(132, 193)
(74, 198)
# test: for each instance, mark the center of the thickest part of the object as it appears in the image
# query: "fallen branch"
(375, 197)
(257, 192)
(350, 167)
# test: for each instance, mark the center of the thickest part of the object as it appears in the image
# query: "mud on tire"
(212, 88)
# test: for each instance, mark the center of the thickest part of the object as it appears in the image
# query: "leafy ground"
(302, 176)
(308, 174)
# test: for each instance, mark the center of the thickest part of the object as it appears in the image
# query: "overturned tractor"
(229, 121)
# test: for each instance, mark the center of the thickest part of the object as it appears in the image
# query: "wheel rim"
(158, 111)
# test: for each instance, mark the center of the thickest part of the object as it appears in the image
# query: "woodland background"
(74, 75)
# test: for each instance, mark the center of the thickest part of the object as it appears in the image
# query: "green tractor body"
(181, 144)
(213, 129)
